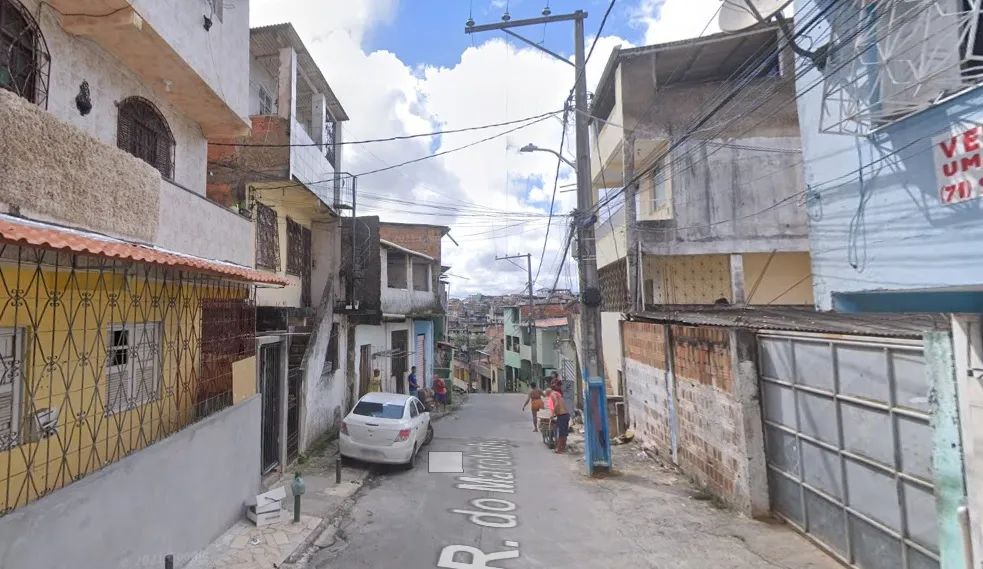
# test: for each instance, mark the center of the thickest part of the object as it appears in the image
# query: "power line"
(393, 138)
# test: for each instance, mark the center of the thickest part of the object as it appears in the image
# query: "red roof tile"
(23, 232)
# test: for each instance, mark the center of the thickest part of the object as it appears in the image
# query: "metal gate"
(421, 359)
(271, 385)
(849, 446)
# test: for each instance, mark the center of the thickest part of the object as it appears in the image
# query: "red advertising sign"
(959, 164)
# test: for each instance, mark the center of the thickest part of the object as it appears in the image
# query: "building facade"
(129, 348)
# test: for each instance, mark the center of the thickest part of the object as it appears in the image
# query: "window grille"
(265, 102)
(143, 132)
(267, 238)
(890, 59)
(329, 141)
(295, 248)
(614, 286)
(25, 64)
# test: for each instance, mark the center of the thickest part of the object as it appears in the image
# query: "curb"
(302, 554)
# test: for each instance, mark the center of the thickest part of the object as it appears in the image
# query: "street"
(548, 514)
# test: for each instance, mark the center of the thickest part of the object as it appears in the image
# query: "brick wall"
(422, 239)
(712, 445)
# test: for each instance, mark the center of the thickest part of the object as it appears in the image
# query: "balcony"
(309, 164)
(132, 39)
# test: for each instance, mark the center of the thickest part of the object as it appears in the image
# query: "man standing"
(414, 386)
(440, 391)
(561, 414)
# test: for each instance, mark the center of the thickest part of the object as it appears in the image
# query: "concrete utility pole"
(592, 368)
(537, 372)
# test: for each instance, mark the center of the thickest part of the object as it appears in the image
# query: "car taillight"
(403, 435)
(344, 428)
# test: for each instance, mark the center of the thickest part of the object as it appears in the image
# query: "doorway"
(270, 385)
(364, 369)
(399, 342)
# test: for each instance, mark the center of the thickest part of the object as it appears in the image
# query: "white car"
(385, 428)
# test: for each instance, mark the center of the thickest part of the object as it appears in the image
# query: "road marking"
(443, 462)
(478, 558)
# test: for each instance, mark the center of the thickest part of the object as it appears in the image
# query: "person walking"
(561, 414)
(414, 386)
(535, 397)
(440, 392)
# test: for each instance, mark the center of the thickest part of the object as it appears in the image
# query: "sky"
(402, 67)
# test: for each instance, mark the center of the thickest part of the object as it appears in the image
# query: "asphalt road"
(642, 518)
(407, 519)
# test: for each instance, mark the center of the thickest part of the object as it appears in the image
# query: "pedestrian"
(535, 396)
(562, 416)
(440, 392)
(414, 386)
(375, 383)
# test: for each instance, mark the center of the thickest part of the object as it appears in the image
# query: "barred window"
(24, 59)
(614, 286)
(267, 238)
(295, 248)
(132, 365)
(143, 132)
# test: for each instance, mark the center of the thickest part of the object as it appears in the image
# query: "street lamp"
(533, 148)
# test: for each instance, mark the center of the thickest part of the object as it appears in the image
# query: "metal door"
(270, 384)
(421, 360)
(399, 343)
(849, 446)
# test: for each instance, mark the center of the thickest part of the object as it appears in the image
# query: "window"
(421, 277)
(329, 140)
(267, 238)
(508, 343)
(295, 248)
(142, 131)
(515, 344)
(378, 410)
(24, 59)
(395, 269)
(414, 410)
(419, 406)
(11, 349)
(132, 366)
(265, 102)
(660, 188)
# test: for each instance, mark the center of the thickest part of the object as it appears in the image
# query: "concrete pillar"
(751, 478)
(631, 218)
(319, 109)
(736, 278)
(947, 448)
(287, 93)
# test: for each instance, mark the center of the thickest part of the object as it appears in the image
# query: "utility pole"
(592, 368)
(537, 371)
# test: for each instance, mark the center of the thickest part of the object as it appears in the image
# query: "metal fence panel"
(849, 445)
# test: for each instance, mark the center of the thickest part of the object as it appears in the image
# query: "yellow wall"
(788, 279)
(296, 204)
(687, 279)
(64, 321)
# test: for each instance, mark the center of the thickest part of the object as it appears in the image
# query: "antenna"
(738, 15)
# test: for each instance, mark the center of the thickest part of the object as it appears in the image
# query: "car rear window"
(378, 410)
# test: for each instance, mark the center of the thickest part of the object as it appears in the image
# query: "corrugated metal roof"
(34, 233)
(803, 320)
(266, 41)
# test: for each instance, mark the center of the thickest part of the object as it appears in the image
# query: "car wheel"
(409, 465)
(429, 436)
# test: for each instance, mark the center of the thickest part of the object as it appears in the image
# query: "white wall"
(74, 60)
(611, 344)
(258, 75)
(401, 301)
(380, 337)
(325, 398)
(220, 55)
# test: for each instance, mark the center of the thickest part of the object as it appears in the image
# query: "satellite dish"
(736, 15)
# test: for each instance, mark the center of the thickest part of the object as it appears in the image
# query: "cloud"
(673, 20)
(494, 198)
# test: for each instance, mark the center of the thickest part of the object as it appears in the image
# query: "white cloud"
(673, 20)
(470, 190)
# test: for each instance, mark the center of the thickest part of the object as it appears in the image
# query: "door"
(399, 342)
(849, 446)
(421, 359)
(270, 385)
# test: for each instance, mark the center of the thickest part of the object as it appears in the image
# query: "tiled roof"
(551, 323)
(25, 232)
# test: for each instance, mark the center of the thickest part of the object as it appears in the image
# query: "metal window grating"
(25, 63)
(267, 238)
(142, 131)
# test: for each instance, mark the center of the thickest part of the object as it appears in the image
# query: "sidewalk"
(655, 504)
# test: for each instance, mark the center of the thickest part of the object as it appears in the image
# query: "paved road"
(561, 520)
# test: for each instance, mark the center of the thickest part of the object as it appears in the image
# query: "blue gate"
(597, 442)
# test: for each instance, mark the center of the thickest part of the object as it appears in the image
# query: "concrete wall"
(286, 203)
(406, 300)
(699, 406)
(309, 164)
(786, 280)
(902, 238)
(173, 497)
(326, 254)
(220, 55)
(192, 224)
(611, 344)
(259, 76)
(325, 397)
(611, 238)
(380, 338)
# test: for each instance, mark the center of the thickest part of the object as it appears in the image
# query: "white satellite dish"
(737, 15)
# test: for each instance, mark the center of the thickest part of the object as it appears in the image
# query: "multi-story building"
(128, 293)
(286, 177)
(397, 300)
(715, 218)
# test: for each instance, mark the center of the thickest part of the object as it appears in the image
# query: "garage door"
(849, 446)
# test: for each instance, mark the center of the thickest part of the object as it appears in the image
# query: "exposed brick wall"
(711, 442)
(420, 238)
(545, 311)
